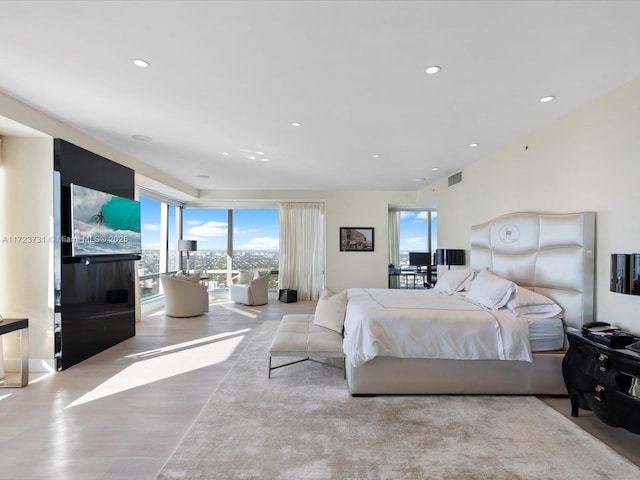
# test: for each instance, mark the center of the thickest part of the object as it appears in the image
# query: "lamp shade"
(448, 256)
(188, 245)
(454, 257)
(620, 279)
(634, 273)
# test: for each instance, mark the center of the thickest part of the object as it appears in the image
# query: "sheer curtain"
(302, 248)
(394, 244)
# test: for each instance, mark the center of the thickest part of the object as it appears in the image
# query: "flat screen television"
(103, 224)
(419, 259)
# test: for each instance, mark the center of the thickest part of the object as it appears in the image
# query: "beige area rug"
(303, 424)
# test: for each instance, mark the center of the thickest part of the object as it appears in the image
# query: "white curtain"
(394, 244)
(302, 248)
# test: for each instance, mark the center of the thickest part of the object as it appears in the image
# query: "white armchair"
(184, 296)
(250, 287)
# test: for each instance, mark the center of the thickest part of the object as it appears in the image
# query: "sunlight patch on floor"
(247, 313)
(164, 365)
(41, 378)
(190, 343)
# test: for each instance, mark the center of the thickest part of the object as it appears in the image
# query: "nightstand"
(604, 380)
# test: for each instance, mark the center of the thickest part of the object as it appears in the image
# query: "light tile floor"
(120, 414)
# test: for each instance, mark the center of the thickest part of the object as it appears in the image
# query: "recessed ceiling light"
(138, 62)
(296, 124)
(435, 169)
(141, 138)
(226, 154)
(473, 145)
(432, 70)
(546, 99)
(264, 159)
(375, 155)
(421, 179)
(252, 157)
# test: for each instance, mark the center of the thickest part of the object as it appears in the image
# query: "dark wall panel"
(95, 302)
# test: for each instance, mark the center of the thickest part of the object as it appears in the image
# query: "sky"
(254, 229)
(413, 231)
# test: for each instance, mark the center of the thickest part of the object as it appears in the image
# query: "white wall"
(587, 161)
(26, 252)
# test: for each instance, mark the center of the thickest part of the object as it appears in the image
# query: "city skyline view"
(257, 229)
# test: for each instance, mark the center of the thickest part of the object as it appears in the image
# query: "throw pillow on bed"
(330, 310)
(490, 291)
(528, 303)
(453, 281)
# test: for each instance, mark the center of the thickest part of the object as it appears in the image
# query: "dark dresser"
(604, 380)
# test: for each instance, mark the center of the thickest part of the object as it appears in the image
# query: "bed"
(550, 254)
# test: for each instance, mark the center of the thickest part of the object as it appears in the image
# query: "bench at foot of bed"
(298, 336)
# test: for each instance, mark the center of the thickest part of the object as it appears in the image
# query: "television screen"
(419, 259)
(103, 224)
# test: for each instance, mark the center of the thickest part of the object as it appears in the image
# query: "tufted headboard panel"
(550, 253)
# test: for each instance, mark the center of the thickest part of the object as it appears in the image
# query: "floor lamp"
(188, 246)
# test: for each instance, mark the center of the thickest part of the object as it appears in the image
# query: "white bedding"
(429, 324)
(546, 334)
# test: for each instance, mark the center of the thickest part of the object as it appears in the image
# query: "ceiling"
(227, 79)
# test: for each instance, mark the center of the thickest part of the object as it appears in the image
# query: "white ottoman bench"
(298, 336)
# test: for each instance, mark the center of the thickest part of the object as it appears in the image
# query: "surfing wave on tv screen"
(104, 224)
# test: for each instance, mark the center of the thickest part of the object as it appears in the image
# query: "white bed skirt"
(416, 376)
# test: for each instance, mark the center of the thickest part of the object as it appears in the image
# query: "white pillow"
(490, 291)
(330, 310)
(257, 274)
(527, 303)
(245, 277)
(454, 280)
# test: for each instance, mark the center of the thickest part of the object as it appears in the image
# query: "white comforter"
(429, 324)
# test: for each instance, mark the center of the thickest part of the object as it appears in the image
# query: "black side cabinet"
(604, 380)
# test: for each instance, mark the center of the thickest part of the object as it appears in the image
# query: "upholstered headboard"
(549, 253)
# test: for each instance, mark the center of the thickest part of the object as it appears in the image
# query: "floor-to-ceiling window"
(228, 241)
(231, 240)
(256, 241)
(149, 264)
(418, 233)
(160, 231)
(209, 227)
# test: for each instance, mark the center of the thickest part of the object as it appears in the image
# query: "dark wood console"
(604, 380)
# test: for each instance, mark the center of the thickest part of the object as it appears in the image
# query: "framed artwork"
(356, 239)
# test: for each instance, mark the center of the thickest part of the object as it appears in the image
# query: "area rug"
(303, 424)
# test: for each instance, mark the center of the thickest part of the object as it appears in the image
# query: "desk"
(21, 325)
(413, 274)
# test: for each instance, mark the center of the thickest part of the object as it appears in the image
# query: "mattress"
(546, 334)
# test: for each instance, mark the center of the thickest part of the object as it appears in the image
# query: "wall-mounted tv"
(103, 224)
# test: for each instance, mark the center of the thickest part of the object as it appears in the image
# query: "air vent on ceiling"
(455, 178)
